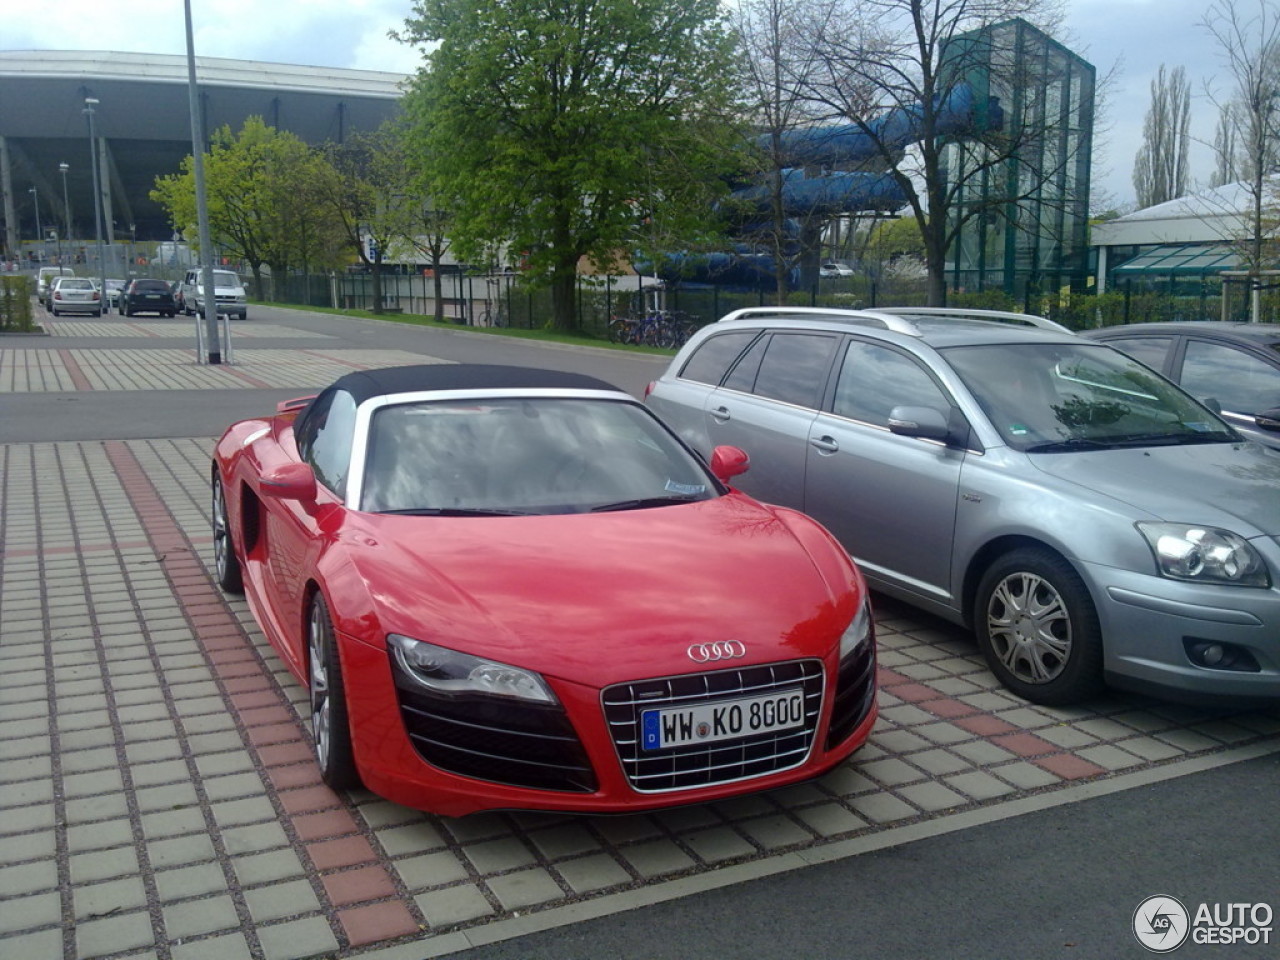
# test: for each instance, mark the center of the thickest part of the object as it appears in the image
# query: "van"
(44, 280)
(227, 289)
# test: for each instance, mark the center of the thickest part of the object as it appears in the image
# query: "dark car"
(147, 296)
(1235, 364)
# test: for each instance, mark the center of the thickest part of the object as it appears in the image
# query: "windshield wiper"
(453, 512)
(1063, 446)
(642, 503)
(1169, 439)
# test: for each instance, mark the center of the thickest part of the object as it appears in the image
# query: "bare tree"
(1225, 148)
(1247, 33)
(964, 120)
(1160, 169)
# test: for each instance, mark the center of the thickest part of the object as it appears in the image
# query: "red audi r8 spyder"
(509, 588)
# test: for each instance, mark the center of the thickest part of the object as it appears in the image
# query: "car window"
(743, 375)
(1058, 397)
(1240, 382)
(525, 456)
(325, 437)
(1149, 350)
(712, 359)
(875, 378)
(794, 368)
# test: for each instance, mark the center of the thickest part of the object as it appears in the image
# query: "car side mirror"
(289, 481)
(926, 422)
(1268, 419)
(1213, 404)
(728, 462)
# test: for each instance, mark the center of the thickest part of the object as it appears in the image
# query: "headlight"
(858, 633)
(446, 671)
(1204, 555)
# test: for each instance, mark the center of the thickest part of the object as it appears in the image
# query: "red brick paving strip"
(78, 378)
(1047, 756)
(319, 817)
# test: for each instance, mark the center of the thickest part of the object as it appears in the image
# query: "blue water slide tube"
(833, 192)
(891, 131)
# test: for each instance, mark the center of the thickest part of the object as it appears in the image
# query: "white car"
(74, 295)
(228, 293)
(833, 269)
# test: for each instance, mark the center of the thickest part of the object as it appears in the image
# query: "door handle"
(720, 414)
(824, 444)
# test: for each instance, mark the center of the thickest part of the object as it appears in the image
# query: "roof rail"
(965, 313)
(867, 317)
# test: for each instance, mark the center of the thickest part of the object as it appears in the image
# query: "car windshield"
(223, 279)
(151, 285)
(71, 284)
(518, 456)
(1059, 397)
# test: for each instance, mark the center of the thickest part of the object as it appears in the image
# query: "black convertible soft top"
(364, 384)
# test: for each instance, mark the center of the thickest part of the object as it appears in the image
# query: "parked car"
(1234, 365)
(44, 279)
(145, 295)
(176, 289)
(516, 589)
(834, 269)
(114, 288)
(228, 293)
(1086, 518)
(74, 295)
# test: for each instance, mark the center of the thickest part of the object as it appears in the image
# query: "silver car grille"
(702, 765)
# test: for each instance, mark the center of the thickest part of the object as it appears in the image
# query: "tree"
(1225, 147)
(371, 194)
(1160, 169)
(934, 128)
(257, 211)
(1248, 40)
(775, 60)
(557, 126)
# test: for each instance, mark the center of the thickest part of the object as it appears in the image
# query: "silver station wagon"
(1086, 518)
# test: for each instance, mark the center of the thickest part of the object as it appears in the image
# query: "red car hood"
(601, 598)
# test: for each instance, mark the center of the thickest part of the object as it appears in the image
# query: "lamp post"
(39, 233)
(214, 354)
(66, 205)
(89, 104)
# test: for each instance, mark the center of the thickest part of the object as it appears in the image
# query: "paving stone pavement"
(158, 798)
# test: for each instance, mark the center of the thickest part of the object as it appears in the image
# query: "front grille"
(724, 761)
(496, 739)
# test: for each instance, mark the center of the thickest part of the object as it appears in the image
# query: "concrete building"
(143, 127)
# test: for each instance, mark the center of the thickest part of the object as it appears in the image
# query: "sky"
(1127, 38)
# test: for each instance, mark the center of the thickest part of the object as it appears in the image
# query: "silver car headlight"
(1205, 555)
(445, 671)
(858, 633)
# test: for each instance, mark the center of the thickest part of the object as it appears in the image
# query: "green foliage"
(556, 128)
(16, 292)
(262, 200)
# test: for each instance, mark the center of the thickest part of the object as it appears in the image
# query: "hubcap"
(1030, 628)
(320, 722)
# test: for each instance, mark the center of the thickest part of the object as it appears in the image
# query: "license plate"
(721, 719)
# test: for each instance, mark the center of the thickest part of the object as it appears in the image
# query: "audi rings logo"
(720, 650)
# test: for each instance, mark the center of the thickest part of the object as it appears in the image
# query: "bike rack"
(201, 353)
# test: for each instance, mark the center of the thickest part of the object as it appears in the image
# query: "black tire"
(1038, 629)
(226, 565)
(330, 725)
(54, 311)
